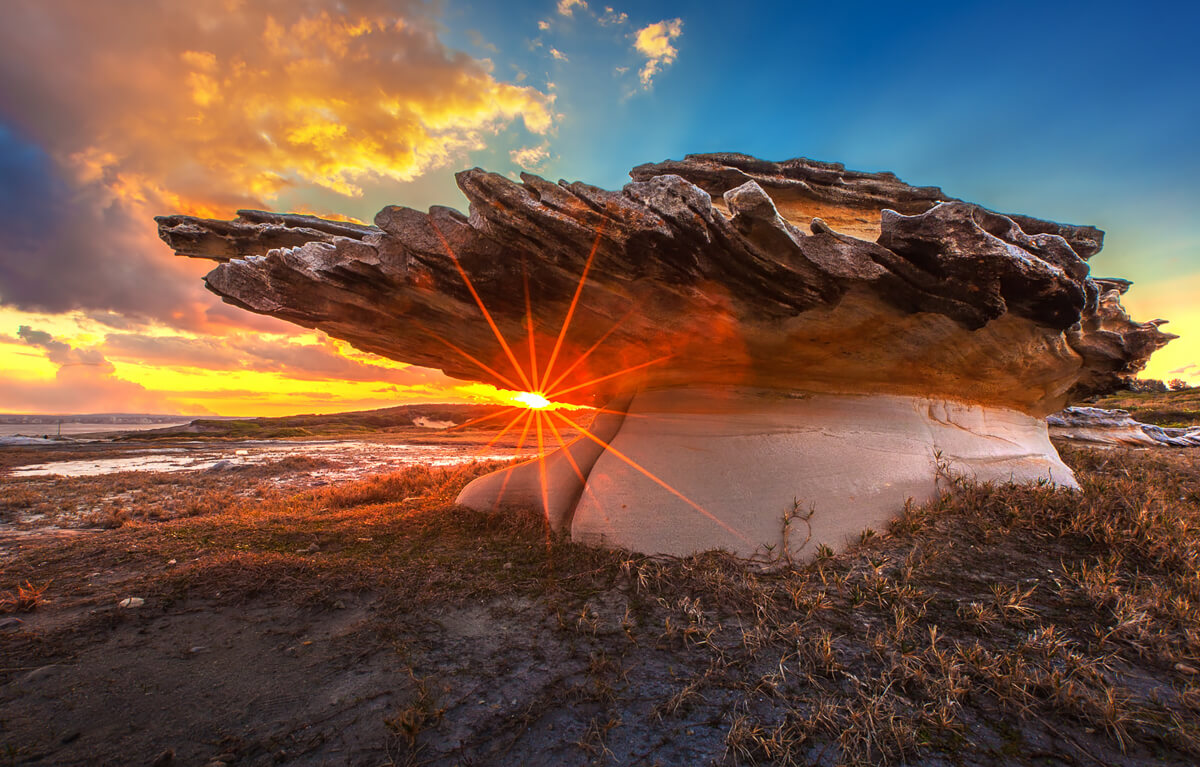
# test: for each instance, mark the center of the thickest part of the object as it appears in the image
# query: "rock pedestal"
(769, 333)
(737, 469)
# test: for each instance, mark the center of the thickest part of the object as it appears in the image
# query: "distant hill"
(402, 419)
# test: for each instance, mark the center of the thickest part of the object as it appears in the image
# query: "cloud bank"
(204, 107)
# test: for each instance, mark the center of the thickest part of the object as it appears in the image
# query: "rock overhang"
(716, 262)
(717, 273)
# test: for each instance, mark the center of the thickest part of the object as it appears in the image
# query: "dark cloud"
(61, 353)
(63, 248)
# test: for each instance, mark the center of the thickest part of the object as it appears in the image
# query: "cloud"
(566, 7)
(303, 361)
(654, 42)
(61, 353)
(612, 18)
(84, 383)
(530, 157)
(543, 25)
(1185, 370)
(558, 55)
(122, 111)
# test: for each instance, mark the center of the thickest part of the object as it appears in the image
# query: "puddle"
(351, 458)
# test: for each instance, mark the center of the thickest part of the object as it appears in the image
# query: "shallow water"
(351, 458)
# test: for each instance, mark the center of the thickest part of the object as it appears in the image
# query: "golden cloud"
(274, 95)
(567, 7)
(654, 42)
(530, 157)
(208, 106)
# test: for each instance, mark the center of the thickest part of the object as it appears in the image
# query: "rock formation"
(1117, 428)
(769, 336)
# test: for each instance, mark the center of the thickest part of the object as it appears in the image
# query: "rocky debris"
(726, 304)
(131, 602)
(1097, 426)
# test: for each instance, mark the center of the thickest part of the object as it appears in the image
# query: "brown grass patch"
(994, 623)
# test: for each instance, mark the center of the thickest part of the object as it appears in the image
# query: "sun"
(532, 400)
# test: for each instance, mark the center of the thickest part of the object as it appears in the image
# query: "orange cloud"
(277, 94)
(228, 110)
(137, 109)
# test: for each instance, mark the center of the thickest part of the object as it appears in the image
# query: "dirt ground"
(374, 623)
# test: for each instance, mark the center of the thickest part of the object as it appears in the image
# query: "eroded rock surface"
(1117, 428)
(715, 279)
(748, 288)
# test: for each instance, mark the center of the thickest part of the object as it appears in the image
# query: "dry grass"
(1175, 408)
(111, 500)
(25, 598)
(999, 624)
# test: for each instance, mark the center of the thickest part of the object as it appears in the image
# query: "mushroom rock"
(1117, 428)
(788, 351)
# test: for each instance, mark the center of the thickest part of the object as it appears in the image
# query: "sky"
(114, 112)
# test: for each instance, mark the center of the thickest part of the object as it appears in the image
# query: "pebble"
(131, 602)
(339, 605)
(1184, 668)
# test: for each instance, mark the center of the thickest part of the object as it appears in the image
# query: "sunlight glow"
(532, 399)
(540, 410)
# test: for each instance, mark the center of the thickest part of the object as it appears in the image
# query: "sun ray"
(504, 431)
(592, 348)
(502, 378)
(533, 366)
(654, 478)
(473, 421)
(571, 460)
(541, 459)
(621, 372)
(516, 451)
(563, 447)
(627, 415)
(562, 332)
(486, 314)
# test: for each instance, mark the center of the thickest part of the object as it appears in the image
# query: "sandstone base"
(697, 469)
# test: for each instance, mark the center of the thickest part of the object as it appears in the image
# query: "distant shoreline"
(80, 428)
